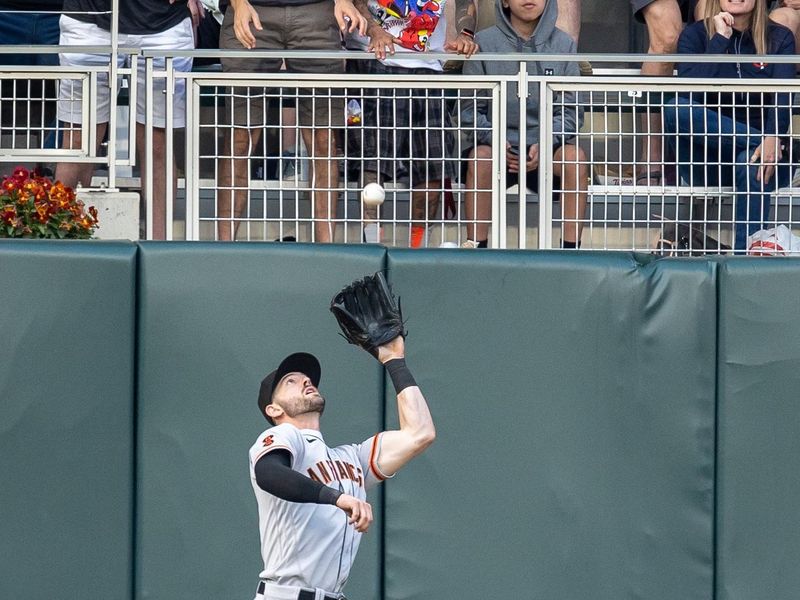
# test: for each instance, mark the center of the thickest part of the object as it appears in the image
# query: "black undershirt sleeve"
(275, 476)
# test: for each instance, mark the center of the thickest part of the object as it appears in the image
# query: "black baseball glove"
(367, 313)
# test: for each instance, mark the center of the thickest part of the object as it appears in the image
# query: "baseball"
(373, 194)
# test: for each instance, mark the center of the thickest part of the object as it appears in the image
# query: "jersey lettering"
(324, 471)
(344, 470)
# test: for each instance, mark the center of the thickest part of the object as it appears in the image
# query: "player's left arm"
(417, 431)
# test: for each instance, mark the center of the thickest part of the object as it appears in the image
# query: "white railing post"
(545, 165)
(522, 180)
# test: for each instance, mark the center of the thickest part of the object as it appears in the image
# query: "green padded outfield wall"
(66, 419)
(758, 472)
(214, 319)
(574, 404)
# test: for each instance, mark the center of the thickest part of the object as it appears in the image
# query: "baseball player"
(312, 506)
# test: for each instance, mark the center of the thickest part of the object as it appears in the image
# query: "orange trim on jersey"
(372, 465)
(270, 449)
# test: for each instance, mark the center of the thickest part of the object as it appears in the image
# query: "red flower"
(33, 206)
(8, 214)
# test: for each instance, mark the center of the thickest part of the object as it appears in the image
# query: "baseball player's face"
(296, 395)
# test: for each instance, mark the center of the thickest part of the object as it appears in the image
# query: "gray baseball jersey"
(312, 545)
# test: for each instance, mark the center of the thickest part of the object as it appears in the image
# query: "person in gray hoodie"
(525, 27)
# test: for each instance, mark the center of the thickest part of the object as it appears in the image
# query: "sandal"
(649, 178)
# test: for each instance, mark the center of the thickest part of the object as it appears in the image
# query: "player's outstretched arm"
(417, 431)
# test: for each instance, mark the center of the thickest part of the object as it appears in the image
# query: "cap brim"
(299, 362)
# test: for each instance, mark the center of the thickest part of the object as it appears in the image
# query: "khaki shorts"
(686, 6)
(303, 27)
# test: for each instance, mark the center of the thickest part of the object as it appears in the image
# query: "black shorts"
(531, 181)
(686, 6)
(406, 132)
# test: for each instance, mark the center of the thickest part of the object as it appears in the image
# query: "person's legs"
(704, 157)
(324, 180)
(320, 111)
(28, 29)
(700, 151)
(573, 169)
(368, 154)
(159, 155)
(178, 37)
(245, 109)
(753, 197)
(424, 204)
(234, 180)
(478, 197)
(692, 118)
(664, 24)
(70, 98)
(427, 145)
(72, 174)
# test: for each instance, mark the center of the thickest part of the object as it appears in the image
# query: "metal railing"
(618, 208)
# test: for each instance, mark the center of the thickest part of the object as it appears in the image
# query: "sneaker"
(470, 244)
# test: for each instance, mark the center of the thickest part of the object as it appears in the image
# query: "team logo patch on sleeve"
(267, 441)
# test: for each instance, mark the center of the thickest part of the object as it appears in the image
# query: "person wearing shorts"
(406, 131)
(529, 31)
(283, 25)
(664, 20)
(150, 24)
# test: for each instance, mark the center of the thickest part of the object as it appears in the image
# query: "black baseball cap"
(300, 362)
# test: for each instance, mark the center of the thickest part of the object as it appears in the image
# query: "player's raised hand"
(359, 511)
(393, 349)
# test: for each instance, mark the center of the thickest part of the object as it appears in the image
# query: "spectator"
(409, 123)
(151, 24)
(284, 25)
(527, 26)
(716, 130)
(664, 20)
(787, 13)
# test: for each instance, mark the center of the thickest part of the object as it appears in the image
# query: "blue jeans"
(714, 150)
(29, 29)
